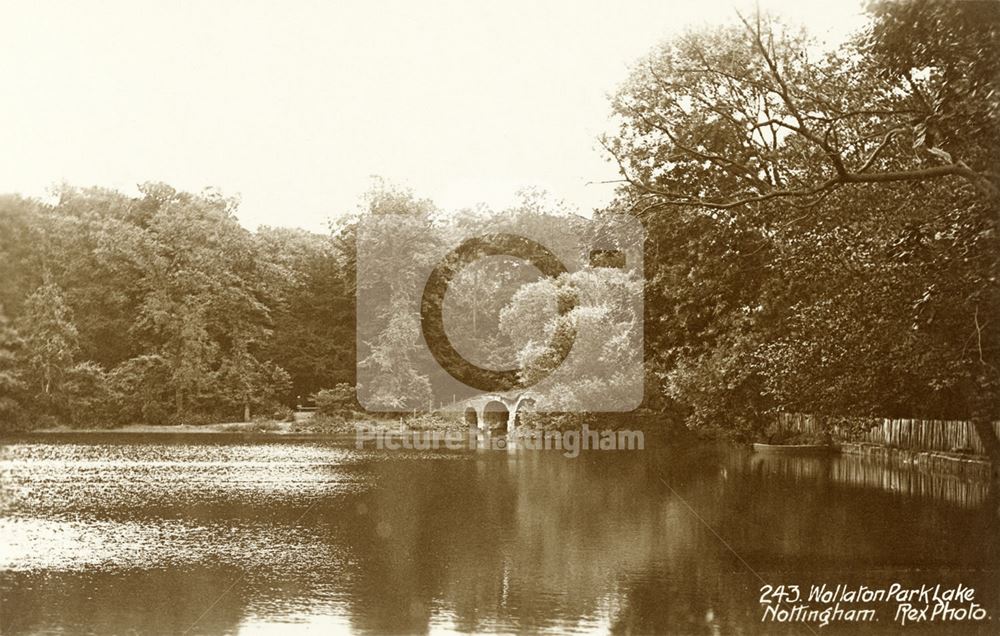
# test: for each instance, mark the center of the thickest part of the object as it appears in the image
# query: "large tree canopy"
(822, 224)
(753, 112)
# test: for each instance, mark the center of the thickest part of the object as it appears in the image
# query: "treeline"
(162, 308)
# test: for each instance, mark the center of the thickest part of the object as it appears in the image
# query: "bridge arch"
(496, 414)
(471, 417)
(497, 411)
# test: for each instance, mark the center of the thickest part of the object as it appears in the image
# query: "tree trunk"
(179, 401)
(246, 411)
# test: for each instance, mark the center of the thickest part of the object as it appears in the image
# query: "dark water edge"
(229, 533)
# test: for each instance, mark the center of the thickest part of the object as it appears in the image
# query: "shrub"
(335, 401)
(194, 418)
(329, 424)
(435, 421)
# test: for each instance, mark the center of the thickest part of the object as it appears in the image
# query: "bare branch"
(786, 97)
(674, 198)
(729, 165)
(733, 95)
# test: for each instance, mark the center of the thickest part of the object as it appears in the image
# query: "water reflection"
(236, 537)
(866, 474)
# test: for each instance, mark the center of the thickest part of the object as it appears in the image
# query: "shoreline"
(263, 428)
(937, 461)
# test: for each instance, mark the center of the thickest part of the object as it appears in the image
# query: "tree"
(11, 385)
(748, 114)
(837, 213)
(947, 54)
(247, 381)
(391, 357)
(50, 340)
(598, 320)
(207, 297)
(141, 390)
(93, 249)
(57, 385)
(338, 400)
(313, 322)
(23, 250)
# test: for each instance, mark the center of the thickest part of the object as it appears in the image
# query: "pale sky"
(294, 105)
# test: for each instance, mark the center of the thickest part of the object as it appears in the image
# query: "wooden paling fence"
(916, 435)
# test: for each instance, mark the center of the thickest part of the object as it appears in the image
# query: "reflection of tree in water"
(834, 513)
(894, 477)
(532, 540)
(521, 541)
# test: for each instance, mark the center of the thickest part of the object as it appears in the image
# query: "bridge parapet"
(511, 401)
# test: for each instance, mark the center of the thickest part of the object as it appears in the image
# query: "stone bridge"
(495, 411)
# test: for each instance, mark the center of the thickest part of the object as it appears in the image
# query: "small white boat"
(798, 449)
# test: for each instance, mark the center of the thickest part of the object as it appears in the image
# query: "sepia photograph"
(672, 317)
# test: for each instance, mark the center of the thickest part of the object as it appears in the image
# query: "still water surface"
(118, 535)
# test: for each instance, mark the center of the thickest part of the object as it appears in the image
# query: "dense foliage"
(162, 308)
(823, 223)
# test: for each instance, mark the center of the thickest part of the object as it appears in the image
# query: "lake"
(115, 534)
